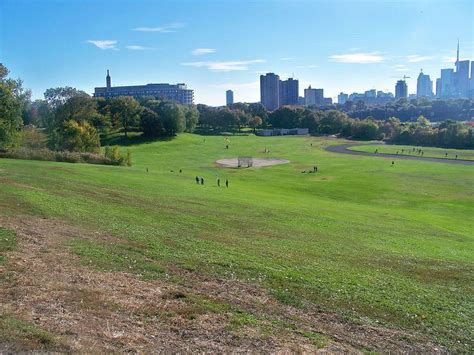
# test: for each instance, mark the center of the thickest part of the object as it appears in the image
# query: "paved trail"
(343, 148)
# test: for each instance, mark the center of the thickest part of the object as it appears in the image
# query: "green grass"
(377, 244)
(19, 333)
(428, 152)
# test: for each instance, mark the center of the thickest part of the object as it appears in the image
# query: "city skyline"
(171, 43)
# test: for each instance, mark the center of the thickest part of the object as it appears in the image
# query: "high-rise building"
(309, 96)
(461, 78)
(270, 91)
(342, 98)
(455, 83)
(178, 92)
(289, 92)
(424, 86)
(438, 88)
(229, 97)
(447, 83)
(401, 90)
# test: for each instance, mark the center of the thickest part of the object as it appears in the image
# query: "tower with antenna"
(108, 81)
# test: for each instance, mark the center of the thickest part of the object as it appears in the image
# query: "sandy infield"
(257, 162)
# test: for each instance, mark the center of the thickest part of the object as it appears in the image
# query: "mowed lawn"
(375, 243)
(428, 152)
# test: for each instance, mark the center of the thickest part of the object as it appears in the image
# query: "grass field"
(375, 244)
(464, 154)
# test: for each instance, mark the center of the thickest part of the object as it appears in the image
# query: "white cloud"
(449, 59)
(287, 58)
(415, 58)
(202, 51)
(358, 58)
(162, 29)
(104, 44)
(400, 67)
(237, 86)
(138, 48)
(225, 66)
(311, 66)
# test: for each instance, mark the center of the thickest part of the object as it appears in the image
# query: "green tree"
(11, 106)
(125, 111)
(191, 115)
(75, 137)
(151, 124)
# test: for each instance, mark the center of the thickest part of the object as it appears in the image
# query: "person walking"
(218, 182)
(197, 180)
(202, 181)
(226, 183)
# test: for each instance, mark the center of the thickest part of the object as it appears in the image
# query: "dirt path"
(97, 311)
(344, 149)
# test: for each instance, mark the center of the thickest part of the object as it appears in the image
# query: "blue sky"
(212, 46)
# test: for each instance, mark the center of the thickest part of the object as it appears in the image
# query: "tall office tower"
(424, 86)
(447, 83)
(229, 97)
(439, 90)
(289, 92)
(342, 98)
(108, 81)
(462, 78)
(309, 96)
(401, 90)
(270, 91)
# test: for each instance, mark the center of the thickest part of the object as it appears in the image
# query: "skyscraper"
(229, 97)
(342, 98)
(455, 83)
(313, 96)
(270, 91)
(289, 92)
(424, 85)
(401, 90)
(447, 83)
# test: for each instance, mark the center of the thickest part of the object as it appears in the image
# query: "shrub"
(114, 158)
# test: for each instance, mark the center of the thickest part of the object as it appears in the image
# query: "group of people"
(200, 181)
(315, 170)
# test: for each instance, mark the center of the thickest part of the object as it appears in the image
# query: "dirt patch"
(93, 311)
(256, 162)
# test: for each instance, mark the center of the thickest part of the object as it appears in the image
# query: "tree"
(11, 106)
(191, 115)
(255, 122)
(172, 117)
(151, 124)
(75, 137)
(125, 112)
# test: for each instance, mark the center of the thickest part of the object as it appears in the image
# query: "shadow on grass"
(205, 131)
(121, 140)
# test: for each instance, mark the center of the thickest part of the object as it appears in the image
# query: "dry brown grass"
(94, 311)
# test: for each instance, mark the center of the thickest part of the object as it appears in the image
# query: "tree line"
(75, 121)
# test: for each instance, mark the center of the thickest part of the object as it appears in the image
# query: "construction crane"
(405, 77)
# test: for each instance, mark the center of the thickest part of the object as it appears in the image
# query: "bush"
(75, 136)
(114, 158)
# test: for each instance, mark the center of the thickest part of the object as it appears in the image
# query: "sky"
(212, 46)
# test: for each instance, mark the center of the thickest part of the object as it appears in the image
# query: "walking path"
(344, 149)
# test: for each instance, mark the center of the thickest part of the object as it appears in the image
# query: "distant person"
(456, 156)
(202, 181)
(218, 182)
(315, 169)
(180, 171)
(397, 152)
(226, 183)
(226, 146)
(393, 163)
(146, 169)
(403, 150)
(446, 155)
(171, 171)
(422, 152)
(311, 144)
(197, 180)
